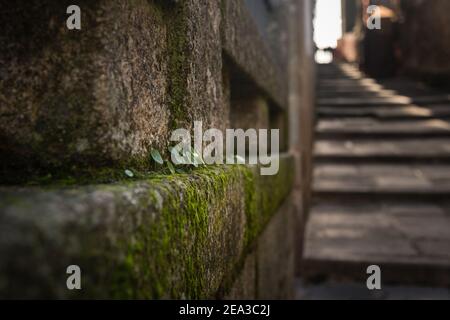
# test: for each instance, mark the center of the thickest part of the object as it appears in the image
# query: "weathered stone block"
(108, 93)
(105, 95)
(243, 44)
(95, 95)
(178, 236)
(250, 113)
(244, 287)
(268, 271)
(276, 256)
(206, 99)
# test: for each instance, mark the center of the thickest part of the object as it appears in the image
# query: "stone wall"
(81, 109)
(105, 95)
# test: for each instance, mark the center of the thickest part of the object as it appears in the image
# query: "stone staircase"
(381, 181)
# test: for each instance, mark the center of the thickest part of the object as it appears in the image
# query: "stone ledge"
(166, 237)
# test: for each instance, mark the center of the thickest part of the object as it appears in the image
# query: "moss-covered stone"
(178, 236)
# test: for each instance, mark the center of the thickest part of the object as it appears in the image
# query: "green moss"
(168, 253)
(167, 257)
(164, 233)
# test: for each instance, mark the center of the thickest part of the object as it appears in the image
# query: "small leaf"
(129, 173)
(181, 171)
(171, 167)
(156, 156)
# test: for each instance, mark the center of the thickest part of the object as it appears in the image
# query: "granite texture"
(176, 236)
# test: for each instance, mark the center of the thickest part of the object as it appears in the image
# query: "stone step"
(409, 241)
(344, 82)
(411, 112)
(337, 85)
(354, 87)
(347, 93)
(340, 77)
(379, 101)
(378, 180)
(431, 150)
(344, 291)
(369, 127)
(408, 87)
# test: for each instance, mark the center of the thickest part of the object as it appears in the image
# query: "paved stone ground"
(418, 179)
(408, 150)
(381, 189)
(356, 291)
(408, 112)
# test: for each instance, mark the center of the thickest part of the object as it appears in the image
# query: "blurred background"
(381, 186)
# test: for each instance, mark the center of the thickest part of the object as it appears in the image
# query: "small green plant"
(156, 156)
(183, 161)
(171, 167)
